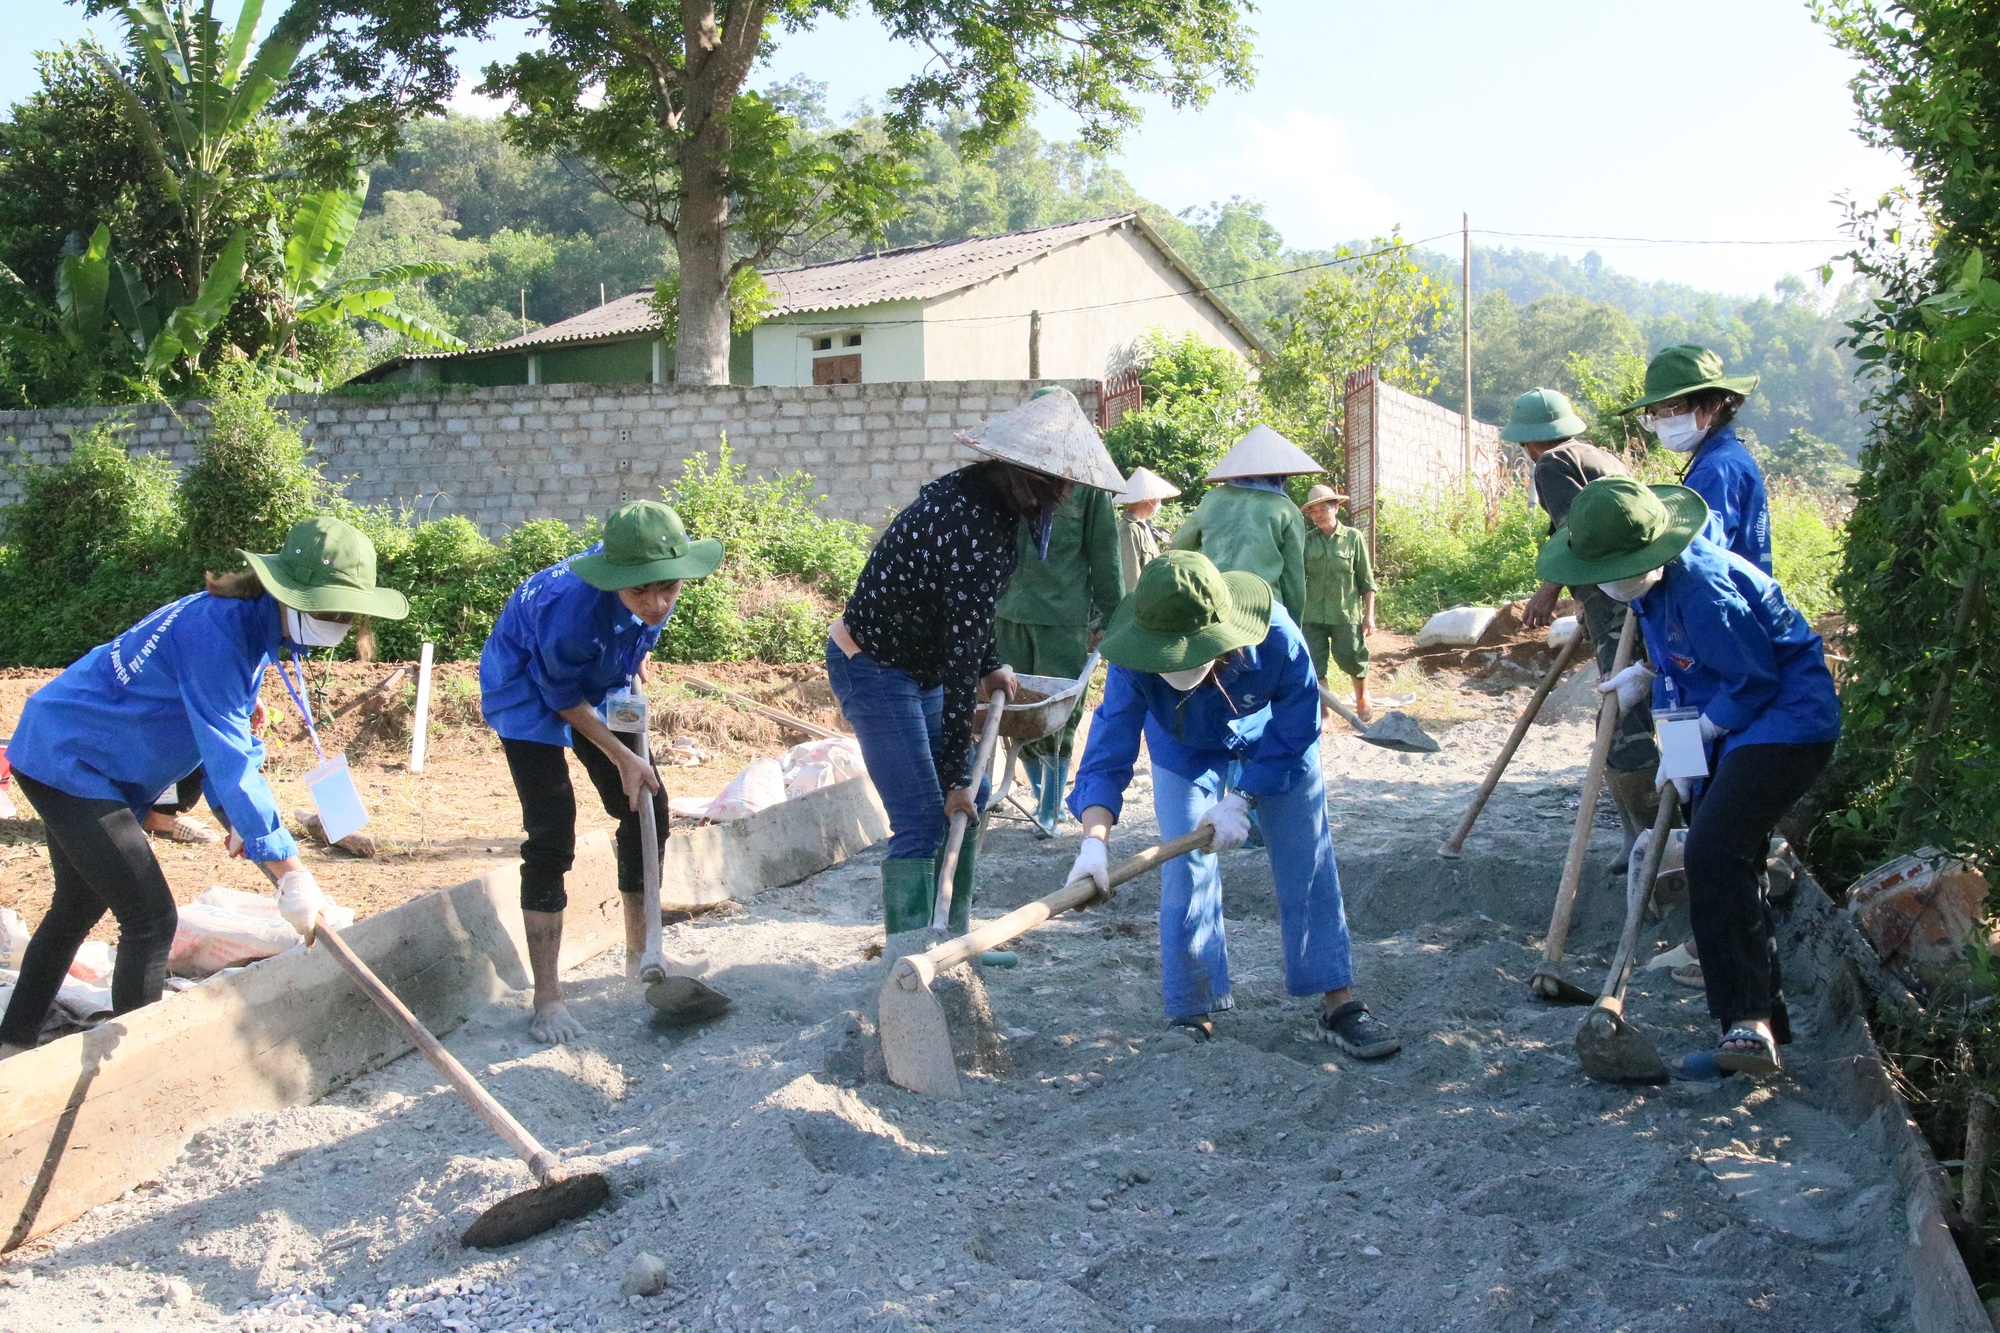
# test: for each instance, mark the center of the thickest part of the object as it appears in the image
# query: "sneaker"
(1357, 1032)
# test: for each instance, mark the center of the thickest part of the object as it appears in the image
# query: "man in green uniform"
(1545, 424)
(1340, 596)
(1044, 621)
(1138, 540)
(1247, 523)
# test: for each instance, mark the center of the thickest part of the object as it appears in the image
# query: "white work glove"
(1683, 788)
(1711, 733)
(1633, 685)
(1091, 864)
(1230, 818)
(300, 902)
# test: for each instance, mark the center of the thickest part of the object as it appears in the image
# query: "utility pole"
(524, 312)
(1034, 344)
(1465, 333)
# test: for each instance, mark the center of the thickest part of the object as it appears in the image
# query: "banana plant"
(308, 292)
(96, 293)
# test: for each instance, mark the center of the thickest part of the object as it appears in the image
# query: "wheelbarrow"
(1045, 708)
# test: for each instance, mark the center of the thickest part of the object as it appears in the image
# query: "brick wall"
(503, 456)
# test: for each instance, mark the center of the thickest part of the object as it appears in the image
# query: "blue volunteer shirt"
(1739, 514)
(558, 643)
(136, 715)
(1261, 708)
(1725, 641)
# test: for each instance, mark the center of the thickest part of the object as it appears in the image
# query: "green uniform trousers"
(1045, 650)
(1344, 643)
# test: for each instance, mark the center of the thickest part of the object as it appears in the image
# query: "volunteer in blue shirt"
(1689, 404)
(569, 635)
(1211, 671)
(97, 745)
(1724, 642)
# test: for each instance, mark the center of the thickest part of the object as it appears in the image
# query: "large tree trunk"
(702, 240)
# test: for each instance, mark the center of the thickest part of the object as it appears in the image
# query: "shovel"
(989, 735)
(916, 1043)
(677, 1000)
(1611, 1049)
(1392, 731)
(1547, 981)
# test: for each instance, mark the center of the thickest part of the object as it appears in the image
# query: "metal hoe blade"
(522, 1216)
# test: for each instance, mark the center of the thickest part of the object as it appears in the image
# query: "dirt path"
(1113, 1179)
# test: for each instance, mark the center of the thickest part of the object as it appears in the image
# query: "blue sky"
(1706, 120)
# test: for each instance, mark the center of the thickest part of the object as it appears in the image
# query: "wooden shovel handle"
(1455, 844)
(954, 842)
(750, 706)
(1586, 814)
(540, 1160)
(1348, 715)
(1023, 919)
(1637, 898)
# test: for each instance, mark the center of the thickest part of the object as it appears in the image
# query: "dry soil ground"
(1112, 1177)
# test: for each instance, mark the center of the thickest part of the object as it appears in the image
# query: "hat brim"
(698, 562)
(1542, 432)
(1687, 515)
(381, 603)
(1244, 621)
(1337, 498)
(1743, 384)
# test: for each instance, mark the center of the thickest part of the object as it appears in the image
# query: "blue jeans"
(900, 727)
(1194, 958)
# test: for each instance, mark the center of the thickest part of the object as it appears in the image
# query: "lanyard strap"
(298, 697)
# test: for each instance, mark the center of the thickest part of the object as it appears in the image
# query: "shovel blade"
(684, 1001)
(1400, 731)
(1611, 1050)
(523, 1216)
(916, 1040)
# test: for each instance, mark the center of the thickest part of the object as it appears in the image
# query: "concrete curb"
(774, 847)
(85, 1118)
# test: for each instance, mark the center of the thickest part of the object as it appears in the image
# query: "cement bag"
(1919, 910)
(758, 787)
(78, 1004)
(819, 764)
(1460, 627)
(93, 963)
(1562, 631)
(13, 939)
(227, 928)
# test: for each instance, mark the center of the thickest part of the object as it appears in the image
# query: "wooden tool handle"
(982, 760)
(1023, 919)
(1455, 844)
(1586, 814)
(540, 1160)
(1637, 898)
(1347, 714)
(649, 858)
(750, 706)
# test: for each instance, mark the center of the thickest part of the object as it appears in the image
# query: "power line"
(1654, 240)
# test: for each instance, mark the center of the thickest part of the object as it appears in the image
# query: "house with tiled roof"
(1062, 302)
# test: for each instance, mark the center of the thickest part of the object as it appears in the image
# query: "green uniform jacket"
(1258, 532)
(1337, 574)
(1138, 543)
(1079, 583)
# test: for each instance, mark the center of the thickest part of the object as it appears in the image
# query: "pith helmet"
(1320, 495)
(1541, 415)
(1145, 484)
(1048, 433)
(1264, 453)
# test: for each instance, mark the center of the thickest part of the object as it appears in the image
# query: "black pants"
(187, 795)
(548, 813)
(1728, 841)
(102, 862)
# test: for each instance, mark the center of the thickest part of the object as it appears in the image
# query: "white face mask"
(1188, 679)
(312, 632)
(1632, 589)
(1680, 433)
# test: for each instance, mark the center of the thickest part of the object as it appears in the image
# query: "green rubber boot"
(909, 890)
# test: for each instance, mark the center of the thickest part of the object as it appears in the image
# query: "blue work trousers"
(1194, 958)
(899, 725)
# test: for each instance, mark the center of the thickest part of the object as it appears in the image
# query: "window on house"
(822, 344)
(852, 340)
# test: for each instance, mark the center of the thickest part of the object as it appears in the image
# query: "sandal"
(1744, 1050)
(188, 829)
(1199, 1026)
(1357, 1032)
(1696, 1067)
(1690, 976)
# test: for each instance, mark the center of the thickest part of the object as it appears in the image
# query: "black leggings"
(1728, 842)
(548, 812)
(187, 795)
(102, 862)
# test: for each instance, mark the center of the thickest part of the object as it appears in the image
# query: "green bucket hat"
(1685, 368)
(327, 566)
(1619, 528)
(644, 542)
(1541, 415)
(1186, 612)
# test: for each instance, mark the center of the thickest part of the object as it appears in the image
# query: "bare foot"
(553, 1024)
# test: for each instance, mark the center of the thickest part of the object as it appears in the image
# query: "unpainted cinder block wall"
(503, 456)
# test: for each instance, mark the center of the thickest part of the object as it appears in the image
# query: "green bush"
(1808, 547)
(251, 478)
(1196, 400)
(1435, 554)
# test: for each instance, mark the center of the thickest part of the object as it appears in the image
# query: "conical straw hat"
(1264, 453)
(1049, 433)
(1145, 484)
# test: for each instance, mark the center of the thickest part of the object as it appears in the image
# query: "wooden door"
(837, 369)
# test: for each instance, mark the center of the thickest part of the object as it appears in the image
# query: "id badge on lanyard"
(1682, 754)
(625, 711)
(330, 782)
